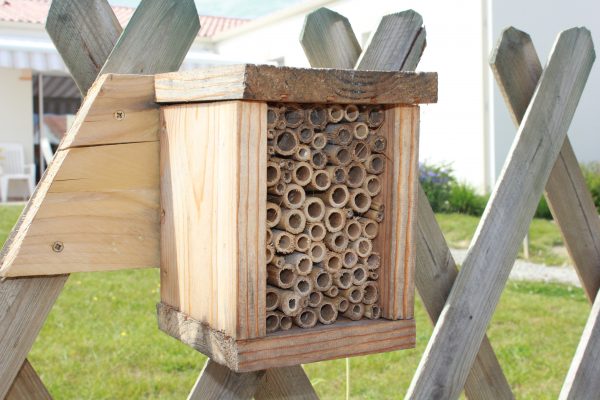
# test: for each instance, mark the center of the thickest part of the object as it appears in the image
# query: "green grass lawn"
(101, 342)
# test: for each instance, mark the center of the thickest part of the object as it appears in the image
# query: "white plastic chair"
(12, 162)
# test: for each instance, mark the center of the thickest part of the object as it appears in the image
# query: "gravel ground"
(527, 271)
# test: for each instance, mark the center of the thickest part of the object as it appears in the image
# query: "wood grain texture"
(84, 32)
(156, 39)
(100, 197)
(389, 47)
(27, 386)
(213, 195)
(286, 383)
(458, 334)
(288, 348)
(399, 191)
(436, 271)
(298, 85)
(327, 39)
(217, 382)
(517, 69)
(582, 381)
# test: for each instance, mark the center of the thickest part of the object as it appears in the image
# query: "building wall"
(543, 20)
(452, 131)
(16, 109)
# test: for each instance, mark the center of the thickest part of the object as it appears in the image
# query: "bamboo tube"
(269, 236)
(283, 241)
(285, 142)
(377, 206)
(315, 298)
(354, 294)
(303, 286)
(333, 291)
(353, 229)
(272, 301)
(377, 143)
(370, 292)
(271, 133)
(373, 275)
(283, 277)
(355, 312)
(342, 279)
(319, 180)
(293, 115)
(290, 303)
(360, 151)
(292, 221)
(332, 263)
(270, 149)
(356, 175)
(272, 117)
(316, 231)
(338, 155)
(359, 275)
(318, 159)
(334, 219)
(273, 173)
(319, 141)
(278, 189)
(327, 312)
(305, 134)
(314, 209)
(317, 252)
(337, 174)
(375, 164)
(335, 113)
(336, 241)
(280, 123)
(270, 252)
(284, 163)
(349, 258)
(321, 279)
(351, 113)
(317, 116)
(362, 246)
(272, 322)
(337, 196)
(278, 261)
(360, 131)
(293, 197)
(372, 185)
(285, 321)
(375, 215)
(286, 176)
(306, 319)
(341, 303)
(372, 115)
(372, 262)
(369, 228)
(302, 153)
(302, 173)
(372, 311)
(360, 201)
(301, 263)
(349, 212)
(302, 243)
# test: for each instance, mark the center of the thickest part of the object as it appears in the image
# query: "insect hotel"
(288, 211)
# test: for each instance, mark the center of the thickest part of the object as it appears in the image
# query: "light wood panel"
(213, 193)
(27, 386)
(458, 334)
(435, 268)
(100, 197)
(268, 83)
(287, 348)
(518, 69)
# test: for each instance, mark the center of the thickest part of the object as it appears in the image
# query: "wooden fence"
(459, 355)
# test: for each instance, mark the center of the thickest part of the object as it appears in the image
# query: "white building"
(469, 127)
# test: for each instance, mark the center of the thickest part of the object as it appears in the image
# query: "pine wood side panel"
(213, 196)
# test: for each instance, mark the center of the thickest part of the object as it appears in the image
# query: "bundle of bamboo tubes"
(323, 213)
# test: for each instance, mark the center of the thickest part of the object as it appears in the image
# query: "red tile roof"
(35, 12)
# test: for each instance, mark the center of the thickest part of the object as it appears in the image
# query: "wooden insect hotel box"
(288, 211)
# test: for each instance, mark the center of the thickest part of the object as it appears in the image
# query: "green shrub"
(465, 200)
(437, 181)
(543, 211)
(591, 173)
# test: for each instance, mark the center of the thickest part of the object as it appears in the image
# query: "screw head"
(57, 247)
(119, 115)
